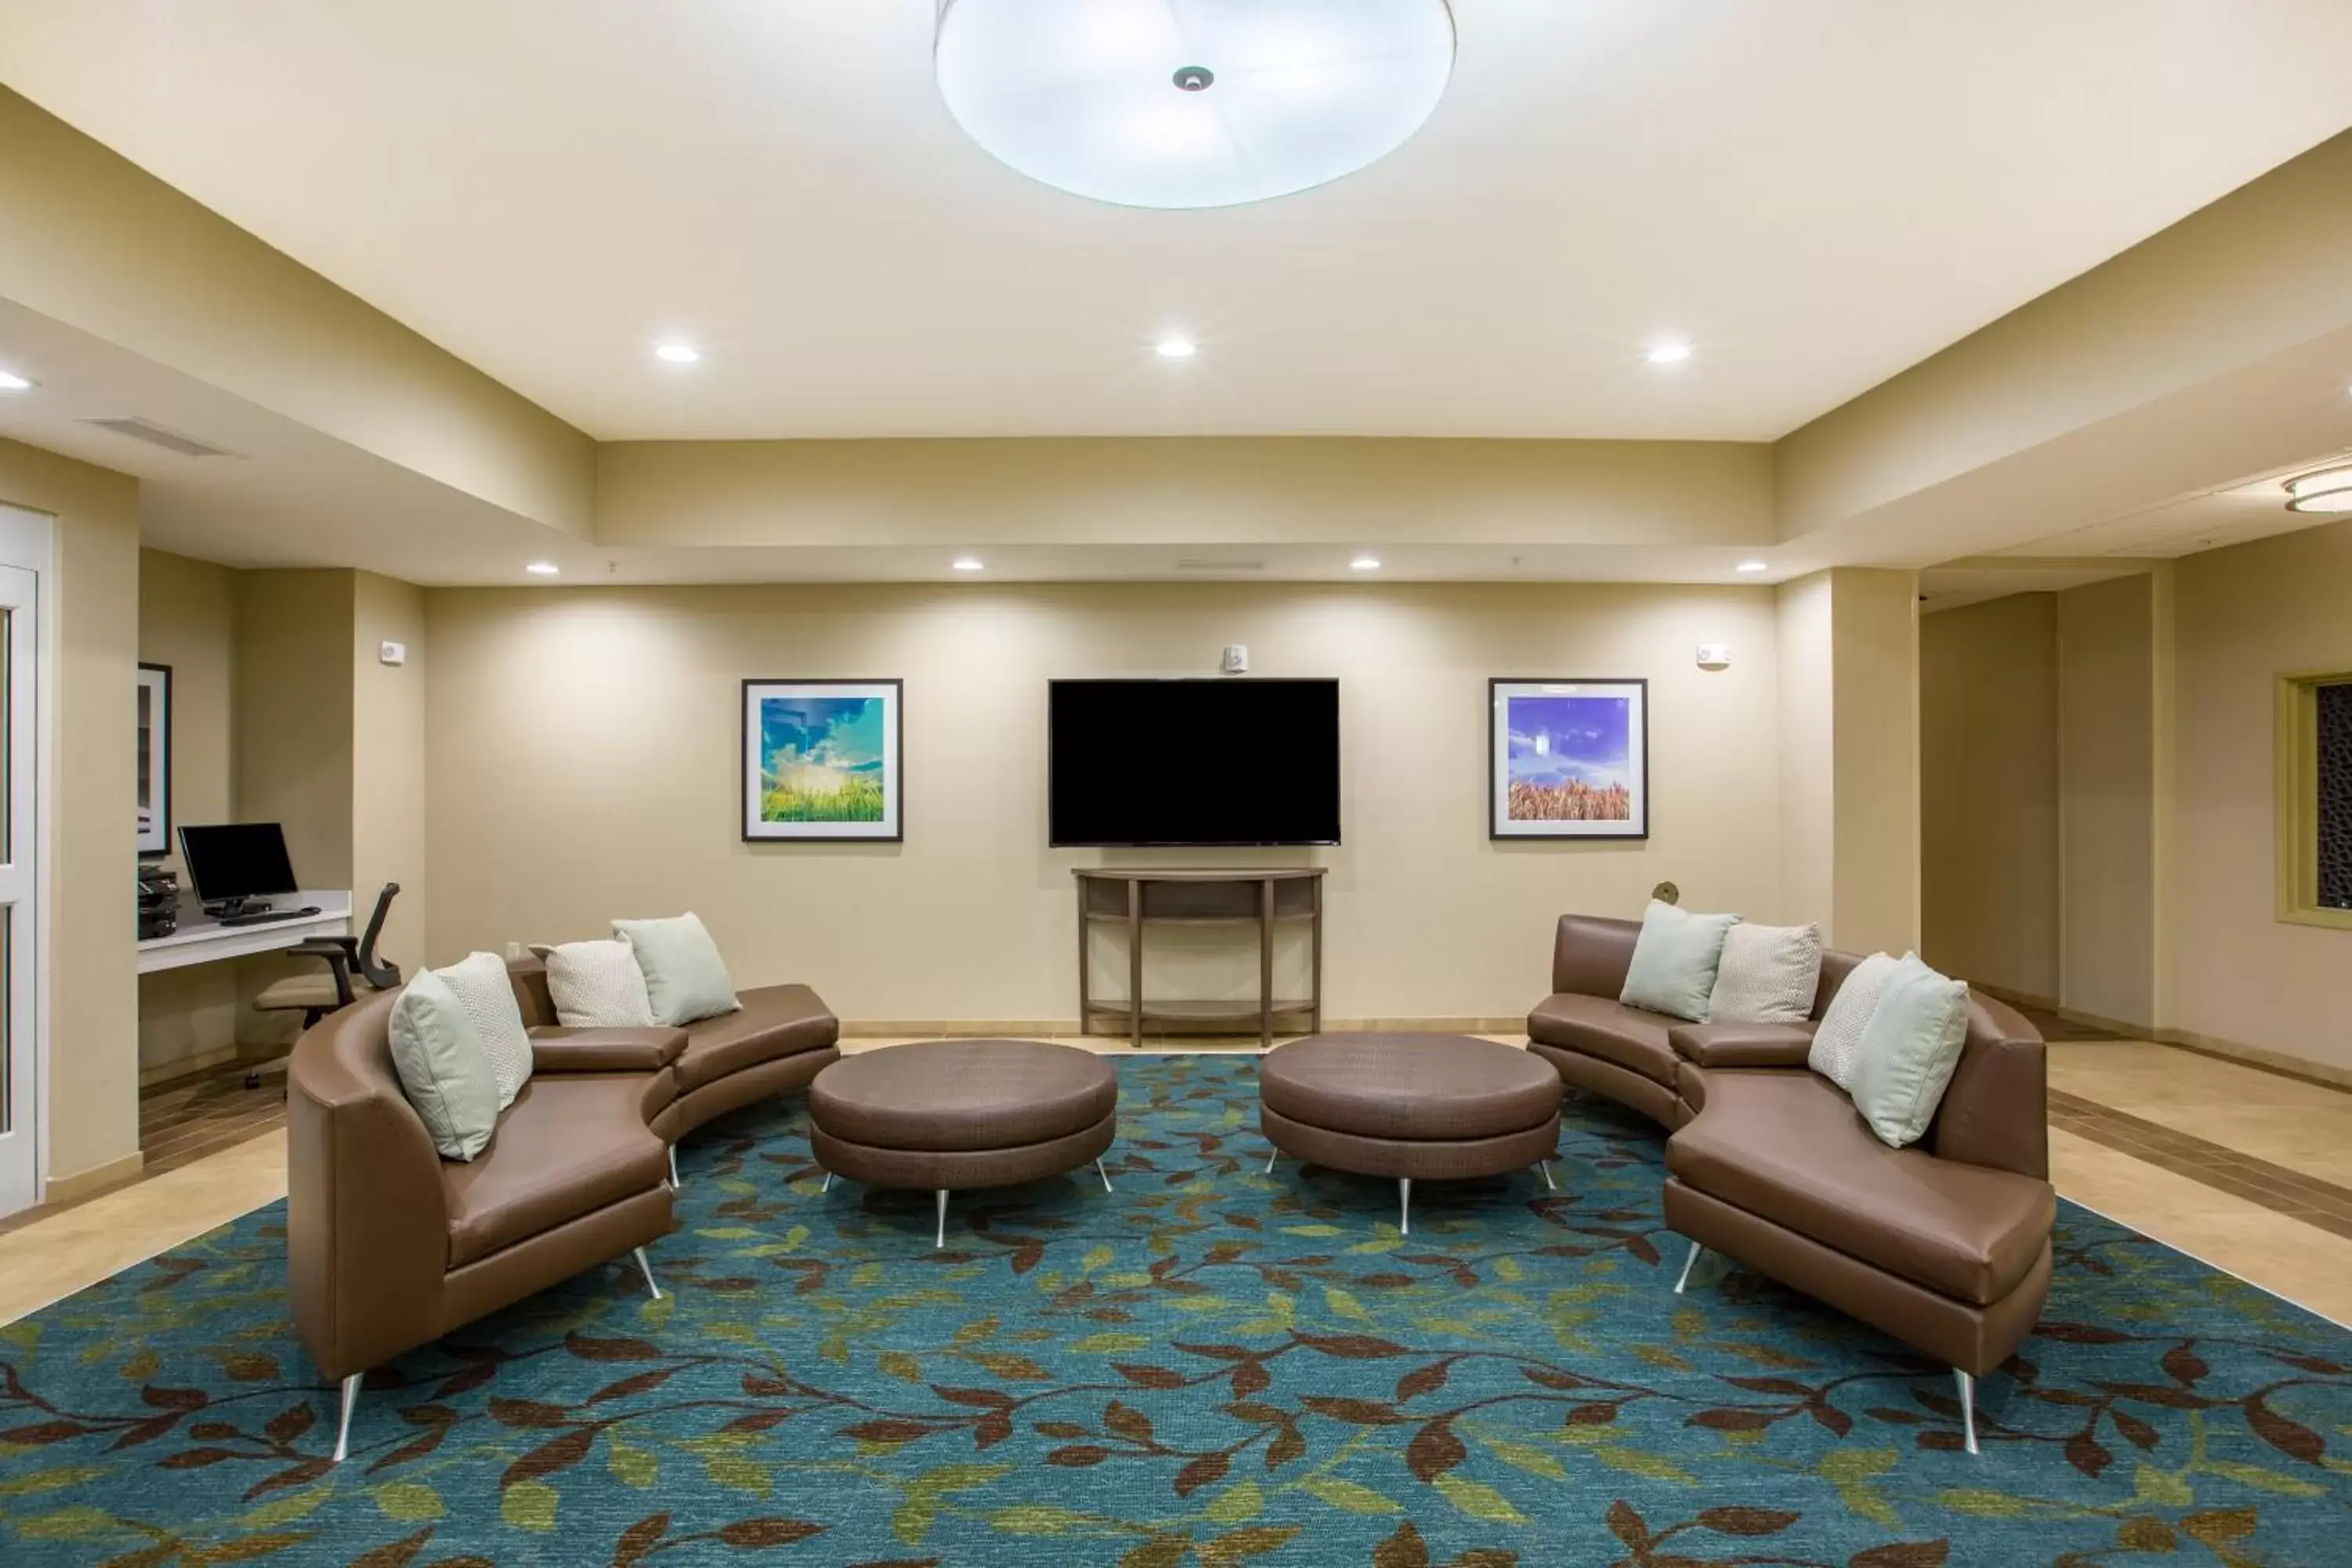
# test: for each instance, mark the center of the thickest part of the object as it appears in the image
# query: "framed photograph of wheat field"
(822, 760)
(1568, 759)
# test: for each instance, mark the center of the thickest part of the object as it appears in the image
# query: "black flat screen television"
(1193, 762)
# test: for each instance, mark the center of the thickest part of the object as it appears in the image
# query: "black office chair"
(353, 971)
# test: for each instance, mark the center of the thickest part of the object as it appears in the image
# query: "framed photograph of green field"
(1568, 759)
(822, 760)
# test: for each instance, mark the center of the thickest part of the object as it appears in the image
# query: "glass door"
(19, 891)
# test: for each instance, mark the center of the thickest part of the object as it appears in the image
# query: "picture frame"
(153, 736)
(823, 761)
(1568, 758)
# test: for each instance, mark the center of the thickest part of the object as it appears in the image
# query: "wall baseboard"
(2286, 1063)
(1067, 1028)
(97, 1179)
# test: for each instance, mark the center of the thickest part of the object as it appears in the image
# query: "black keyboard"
(271, 916)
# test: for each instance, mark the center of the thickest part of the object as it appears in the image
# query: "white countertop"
(202, 939)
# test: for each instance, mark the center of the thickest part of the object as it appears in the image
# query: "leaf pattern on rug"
(1211, 1366)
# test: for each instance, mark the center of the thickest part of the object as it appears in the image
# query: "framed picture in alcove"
(1568, 759)
(822, 760)
(155, 759)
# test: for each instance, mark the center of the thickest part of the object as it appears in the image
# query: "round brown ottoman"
(952, 1114)
(1426, 1107)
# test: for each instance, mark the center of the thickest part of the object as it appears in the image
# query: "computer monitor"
(236, 861)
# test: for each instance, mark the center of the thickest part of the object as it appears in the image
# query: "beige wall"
(2106, 750)
(2241, 617)
(1989, 770)
(1849, 755)
(92, 1106)
(187, 619)
(583, 764)
(294, 689)
(388, 761)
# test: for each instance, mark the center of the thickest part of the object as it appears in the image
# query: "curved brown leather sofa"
(1944, 1244)
(389, 1247)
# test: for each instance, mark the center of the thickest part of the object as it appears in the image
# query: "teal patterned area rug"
(1213, 1366)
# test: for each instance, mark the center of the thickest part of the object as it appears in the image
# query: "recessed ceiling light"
(969, 563)
(1365, 563)
(679, 353)
(1753, 566)
(1670, 354)
(2329, 489)
(1176, 348)
(11, 382)
(543, 569)
(1147, 103)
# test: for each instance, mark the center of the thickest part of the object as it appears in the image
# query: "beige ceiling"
(2250, 509)
(1819, 192)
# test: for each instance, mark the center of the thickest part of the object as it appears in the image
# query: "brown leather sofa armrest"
(554, 1049)
(1742, 1045)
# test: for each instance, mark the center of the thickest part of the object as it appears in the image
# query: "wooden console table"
(1236, 899)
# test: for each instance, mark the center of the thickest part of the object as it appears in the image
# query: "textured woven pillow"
(597, 986)
(484, 989)
(1674, 959)
(1837, 1043)
(442, 1069)
(686, 980)
(1767, 975)
(1909, 1051)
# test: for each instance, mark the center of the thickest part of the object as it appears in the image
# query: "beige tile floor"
(2294, 1124)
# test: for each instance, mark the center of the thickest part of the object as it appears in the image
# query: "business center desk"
(202, 939)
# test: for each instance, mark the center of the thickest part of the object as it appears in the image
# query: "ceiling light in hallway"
(968, 563)
(543, 569)
(1365, 563)
(1670, 354)
(2329, 489)
(1192, 103)
(679, 353)
(1176, 348)
(1753, 566)
(11, 382)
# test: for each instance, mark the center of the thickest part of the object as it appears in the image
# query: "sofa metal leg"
(828, 1184)
(1688, 1263)
(674, 1183)
(1545, 1166)
(1968, 1408)
(343, 1426)
(1404, 1205)
(1104, 1176)
(942, 1195)
(1270, 1159)
(647, 1269)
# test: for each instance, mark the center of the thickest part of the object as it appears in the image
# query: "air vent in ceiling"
(1203, 563)
(154, 435)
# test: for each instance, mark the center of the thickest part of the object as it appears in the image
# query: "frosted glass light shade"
(1193, 103)
(2330, 489)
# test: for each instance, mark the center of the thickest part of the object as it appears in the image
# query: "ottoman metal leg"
(1103, 1175)
(647, 1270)
(1270, 1159)
(1967, 1407)
(1545, 1166)
(941, 1194)
(1404, 1205)
(828, 1184)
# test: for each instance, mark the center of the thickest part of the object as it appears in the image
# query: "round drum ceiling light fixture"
(2330, 489)
(1192, 103)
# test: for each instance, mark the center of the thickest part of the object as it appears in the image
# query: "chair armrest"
(338, 953)
(554, 1049)
(1743, 1044)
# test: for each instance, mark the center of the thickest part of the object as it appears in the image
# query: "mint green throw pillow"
(1909, 1049)
(1675, 961)
(444, 1068)
(686, 980)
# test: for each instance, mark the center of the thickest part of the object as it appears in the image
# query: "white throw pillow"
(486, 992)
(1837, 1043)
(686, 980)
(597, 986)
(1674, 958)
(442, 1069)
(1909, 1052)
(1767, 975)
